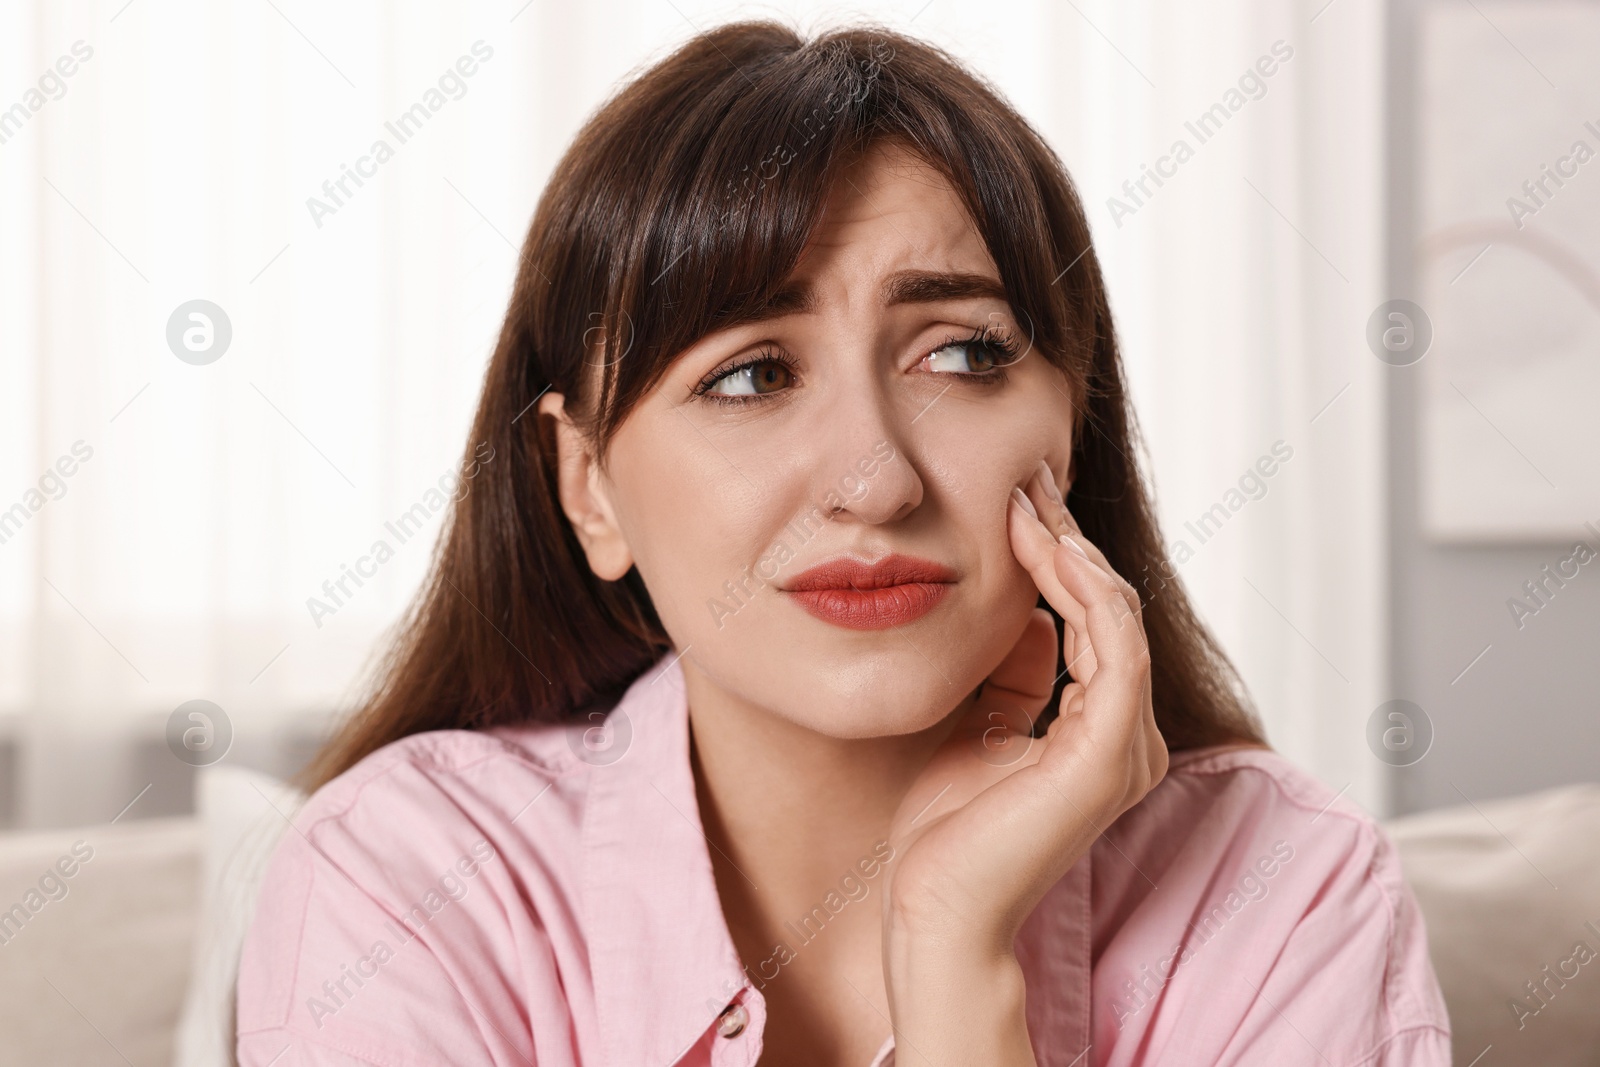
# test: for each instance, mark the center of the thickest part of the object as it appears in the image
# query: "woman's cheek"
(704, 559)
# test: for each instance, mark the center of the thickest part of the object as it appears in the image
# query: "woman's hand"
(998, 817)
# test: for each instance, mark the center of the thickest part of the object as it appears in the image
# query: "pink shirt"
(511, 898)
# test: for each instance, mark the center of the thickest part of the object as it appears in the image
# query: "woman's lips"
(871, 596)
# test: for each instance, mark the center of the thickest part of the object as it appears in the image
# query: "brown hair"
(681, 207)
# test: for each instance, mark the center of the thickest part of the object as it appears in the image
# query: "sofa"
(128, 948)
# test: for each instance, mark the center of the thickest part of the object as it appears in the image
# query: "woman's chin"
(855, 684)
(907, 699)
(847, 724)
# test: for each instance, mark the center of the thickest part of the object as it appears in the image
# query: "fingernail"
(1049, 480)
(1067, 540)
(1022, 498)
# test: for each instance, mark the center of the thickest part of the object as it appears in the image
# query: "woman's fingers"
(1040, 518)
(1121, 651)
(1056, 517)
(1072, 697)
(1052, 507)
(1104, 625)
(1036, 549)
(1112, 626)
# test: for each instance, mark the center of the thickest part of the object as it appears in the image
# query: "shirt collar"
(663, 962)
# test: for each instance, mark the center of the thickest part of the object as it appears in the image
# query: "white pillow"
(242, 814)
(1509, 888)
(95, 929)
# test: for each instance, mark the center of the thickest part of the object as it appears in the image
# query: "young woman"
(802, 680)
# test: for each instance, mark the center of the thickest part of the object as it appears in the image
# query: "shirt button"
(732, 1022)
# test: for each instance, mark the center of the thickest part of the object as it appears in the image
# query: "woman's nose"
(864, 470)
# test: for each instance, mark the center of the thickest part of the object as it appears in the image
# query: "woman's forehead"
(890, 214)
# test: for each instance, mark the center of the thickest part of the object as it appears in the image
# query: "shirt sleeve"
(1352, 984)
(1251, 920)
(375, 942)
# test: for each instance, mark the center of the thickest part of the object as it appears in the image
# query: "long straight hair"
(683, 205)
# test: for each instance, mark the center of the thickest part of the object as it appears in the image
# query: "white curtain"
(228, 153)
(1242, 286)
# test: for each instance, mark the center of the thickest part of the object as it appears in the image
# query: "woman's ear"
(585, 494)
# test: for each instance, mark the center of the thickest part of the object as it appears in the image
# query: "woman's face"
(887, 406)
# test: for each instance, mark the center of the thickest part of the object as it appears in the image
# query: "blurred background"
(1351, 241)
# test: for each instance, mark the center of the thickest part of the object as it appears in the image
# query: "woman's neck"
(798, 824)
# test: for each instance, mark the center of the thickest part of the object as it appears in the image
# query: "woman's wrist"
(954, 995)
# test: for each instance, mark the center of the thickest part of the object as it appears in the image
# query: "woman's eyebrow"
(927, 287)
(901, 287)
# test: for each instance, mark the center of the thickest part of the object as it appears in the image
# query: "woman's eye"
(963, 357)
(753, 379)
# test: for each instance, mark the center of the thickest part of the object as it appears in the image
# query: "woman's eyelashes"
(980, 358)
(752, 376)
